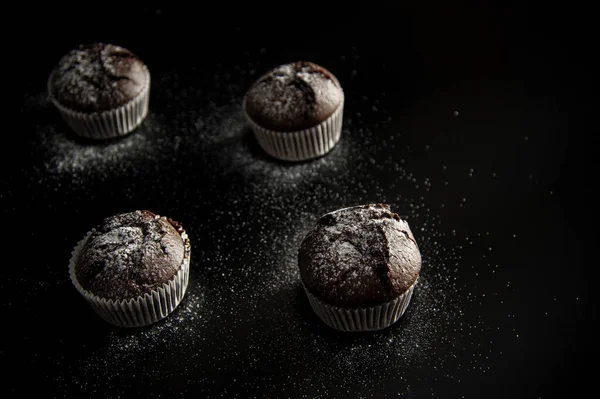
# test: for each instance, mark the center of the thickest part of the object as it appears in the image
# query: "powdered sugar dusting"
(128, 255)
(293, 96)
(69, 156)
(254, 314)
(247, 215)
(360, 256)
(97, 77)
(119, 356)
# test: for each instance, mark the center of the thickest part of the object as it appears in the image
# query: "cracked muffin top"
(97, 77)
(359, 257)
(293, 97)
(130, 254)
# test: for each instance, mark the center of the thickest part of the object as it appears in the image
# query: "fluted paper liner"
(361, 319)
(111, 123)
(145, 309)
(303, 144)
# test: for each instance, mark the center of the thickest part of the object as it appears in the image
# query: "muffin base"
(361, 319)
(300, 145)
(108, 124)
(145, 309)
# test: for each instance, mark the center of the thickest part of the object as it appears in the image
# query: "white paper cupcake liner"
(361, 319)
(107, 124)
(145, 309)
(303, 144)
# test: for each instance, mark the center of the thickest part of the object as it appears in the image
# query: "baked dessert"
(359, 267)
(296, 111)
(133, 268)
(101, 90)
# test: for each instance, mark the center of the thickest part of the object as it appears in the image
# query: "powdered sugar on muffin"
(359, 256)
(129, 255)
(97, 77)
(293, 97)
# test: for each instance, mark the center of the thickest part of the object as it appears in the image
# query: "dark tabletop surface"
(457, 116)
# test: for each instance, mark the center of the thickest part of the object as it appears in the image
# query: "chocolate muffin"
(295, 111)
(133, 268)
(359, 267)
(101, 90)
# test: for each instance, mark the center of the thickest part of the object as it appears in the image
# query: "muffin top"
(359, 257)
(293, 97)
(97, 77)
(130, 254)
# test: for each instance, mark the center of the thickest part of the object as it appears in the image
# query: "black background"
(456, 115)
